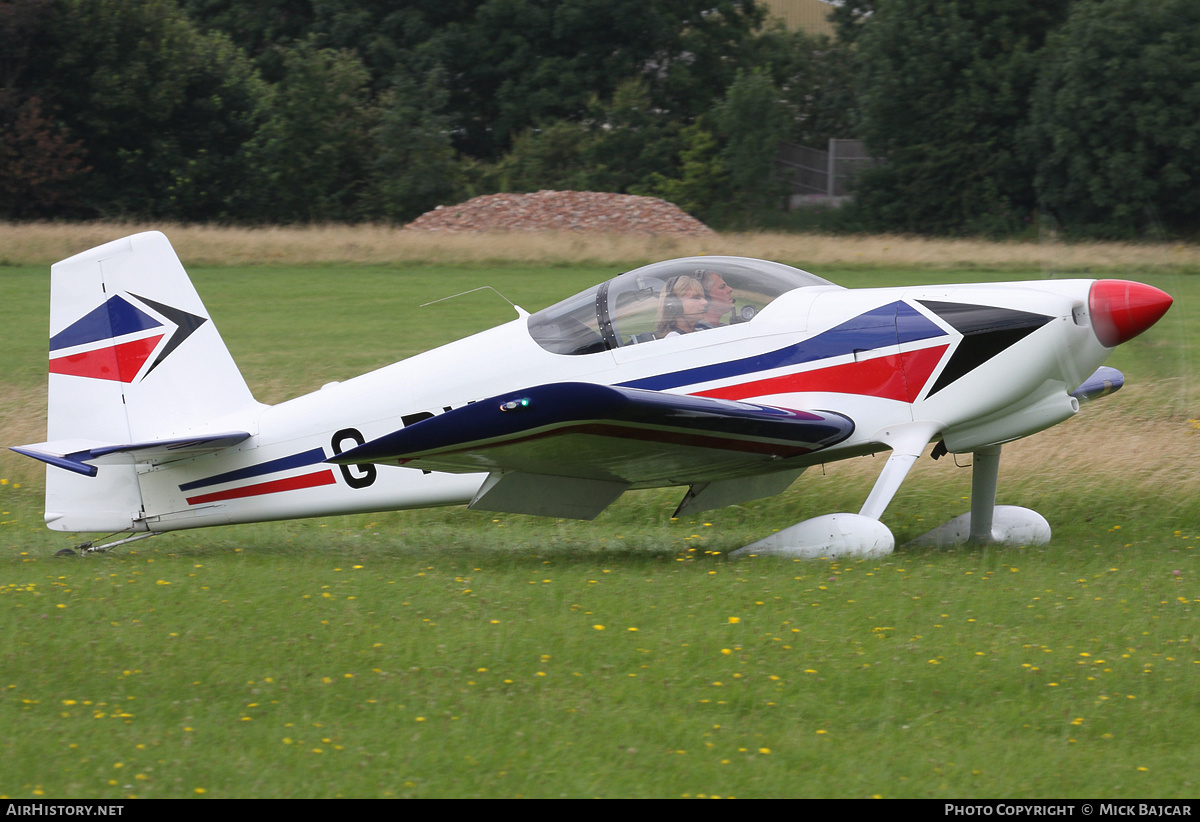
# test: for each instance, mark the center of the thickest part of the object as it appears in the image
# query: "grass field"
(455, 653)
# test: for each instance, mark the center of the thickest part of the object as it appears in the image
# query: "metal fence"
(811, 173)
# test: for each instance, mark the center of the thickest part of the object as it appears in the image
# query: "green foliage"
(753, 119)
(702, 187)
(726, 165)
(620, 145)
(849, 16)
(703, 45)
(816, 80)
(944, 95)
(520, 63)
(286, 110)
(553, 157)
(311, 151)
(164, 109)
(1115, 132)
(21, 24)
(385, 35)
(39, 163)
(257, 28)
(291, 110)
(414, 167)
(632, 139)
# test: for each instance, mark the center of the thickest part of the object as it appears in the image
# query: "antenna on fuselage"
(521, 312)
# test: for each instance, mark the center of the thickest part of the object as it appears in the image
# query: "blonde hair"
(670, 302)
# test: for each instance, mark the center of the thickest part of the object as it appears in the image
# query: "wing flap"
(633, 436)
(546, 496)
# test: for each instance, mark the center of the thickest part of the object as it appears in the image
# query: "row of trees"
(987, 111)
(298, 110)
(993, 111)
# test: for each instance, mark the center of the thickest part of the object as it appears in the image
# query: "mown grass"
(456, 653)
(468, 663)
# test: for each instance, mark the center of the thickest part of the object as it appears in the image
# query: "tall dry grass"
(44, 243)
(22, 420)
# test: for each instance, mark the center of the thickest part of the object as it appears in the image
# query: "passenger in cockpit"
(680, 306)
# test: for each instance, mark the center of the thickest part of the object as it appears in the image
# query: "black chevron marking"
(185, 325)
(987, 330)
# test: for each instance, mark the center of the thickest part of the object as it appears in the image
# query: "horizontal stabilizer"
(609, 433)
(81, 456)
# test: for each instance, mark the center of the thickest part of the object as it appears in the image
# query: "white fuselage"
(280, 471)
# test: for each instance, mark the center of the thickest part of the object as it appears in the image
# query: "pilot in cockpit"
(720, 298)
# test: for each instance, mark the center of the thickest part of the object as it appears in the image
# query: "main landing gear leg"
(853, 535)
(988, 522)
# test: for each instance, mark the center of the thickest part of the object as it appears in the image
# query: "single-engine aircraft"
(724, 375)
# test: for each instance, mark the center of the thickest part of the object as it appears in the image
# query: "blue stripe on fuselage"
(888, 325)
(310, 457)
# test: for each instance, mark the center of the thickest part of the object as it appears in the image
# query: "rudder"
(134, 357)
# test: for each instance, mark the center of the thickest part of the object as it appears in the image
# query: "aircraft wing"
(608, 434)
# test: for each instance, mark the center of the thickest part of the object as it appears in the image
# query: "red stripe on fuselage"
(892, 377)
(120, 363)
(273, 487)
(919, 367)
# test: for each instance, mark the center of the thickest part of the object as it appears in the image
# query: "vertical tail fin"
(134, 357)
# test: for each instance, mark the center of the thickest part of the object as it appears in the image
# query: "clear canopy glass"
(635, 307)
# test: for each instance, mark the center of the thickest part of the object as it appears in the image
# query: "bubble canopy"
(629, 309)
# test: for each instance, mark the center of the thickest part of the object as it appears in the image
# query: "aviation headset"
(672, 304)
